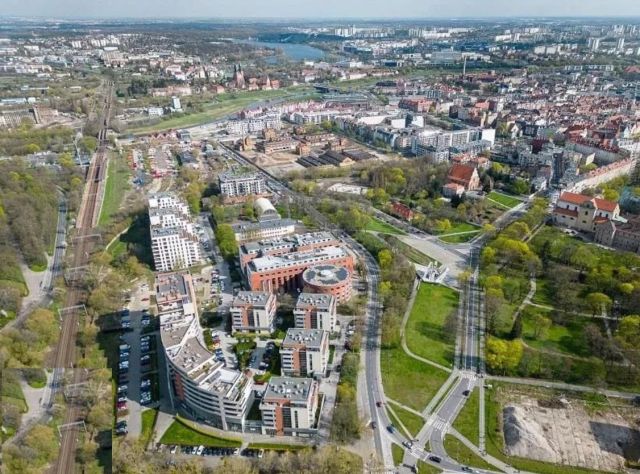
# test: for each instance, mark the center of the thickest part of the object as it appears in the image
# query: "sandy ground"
(571, 433)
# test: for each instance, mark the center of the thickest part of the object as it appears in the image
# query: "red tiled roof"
(580, 199)
(605, 205)
(566, 212)
(460, 172)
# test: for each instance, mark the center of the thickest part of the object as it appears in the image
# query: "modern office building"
(174, 242)
(253, 311)
(304, 353)
(241, 184)
(284, 272)
(201, 385)
(289, 406)
(315, 311)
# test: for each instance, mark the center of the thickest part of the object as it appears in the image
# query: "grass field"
(459, 238)
(407, 380)
(376, 225)
(117, 184)
(180, 434)
(464, 455)
(225, 105)
(424, 468)
(566, 338)
(467, 421)
(277, 446)
(504, 199)
(149, 418)
(5, 319)
(408, 251)
(398, 454)
(542, 296)
(495, 440)
(425, 331)
(411, 421)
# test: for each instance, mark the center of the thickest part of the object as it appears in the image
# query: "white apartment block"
(288, 406)
(200, 384)
(304, 352)
(174, 242)
(253, 311)
(315, 311)
(232, 185)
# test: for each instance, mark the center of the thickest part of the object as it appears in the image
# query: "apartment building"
(201, 386)
(253, 311)
(241, 184)
(315, 311)
(288, 406)
(174, 242)
(304, 352)
(584, 213)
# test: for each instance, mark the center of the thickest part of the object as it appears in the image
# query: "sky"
(315, 8)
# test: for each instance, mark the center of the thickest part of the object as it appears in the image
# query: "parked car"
(434, 458)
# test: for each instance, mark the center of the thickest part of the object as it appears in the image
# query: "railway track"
(76, 297)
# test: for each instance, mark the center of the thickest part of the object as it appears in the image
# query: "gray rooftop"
(325, 275)
(291, 388)
(291, 241)
(313, 257)
(320, 301)
(257, 298)
(311, 338)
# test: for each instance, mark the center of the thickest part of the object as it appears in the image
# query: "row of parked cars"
(210, 451)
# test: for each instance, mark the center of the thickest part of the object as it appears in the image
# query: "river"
(293, 51)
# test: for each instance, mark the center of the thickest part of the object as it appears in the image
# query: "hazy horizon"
(326, 10)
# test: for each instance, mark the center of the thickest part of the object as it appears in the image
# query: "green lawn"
(277, 446)
(495, 440)
(117, 184)
(541, 296)
(464, 455)
(425, 332)
(424, 468)
(467, 421)
(5, 319)
(376, 225)
(181, 434)
(566, 338)
(459, 238)
(504, 199)
(410, 420)
(409, 381)
(149, 418)
(225, 105)
(411, 253)
(398, 454)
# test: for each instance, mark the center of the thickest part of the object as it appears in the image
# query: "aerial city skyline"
(334, 237)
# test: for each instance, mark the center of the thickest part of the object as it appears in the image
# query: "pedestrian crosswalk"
(440, 425)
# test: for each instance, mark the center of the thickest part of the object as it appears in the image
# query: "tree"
(503, 356)
(385, 259)
(226, 241)
(584, 259)
(516, 329)
(43, 440)
(541, 325)
(598, 302)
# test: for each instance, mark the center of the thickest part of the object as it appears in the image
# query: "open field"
(117, 184)
(566, 338)
(467, 421)
(411, 253)
(426, 332)
(225, 105)
(398, 454)
(504, 199)
(410, 421)
(459, 238)
(424, 468)
(572, 428)
(180, 434)
(407, 380)
(376, 225)
(464, 455)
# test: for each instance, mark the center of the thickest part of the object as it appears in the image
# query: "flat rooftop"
(256, 298)
(292, 388)
(291, 241)
(320, 301)
(311, 338)
(311, 257)
(172, 286)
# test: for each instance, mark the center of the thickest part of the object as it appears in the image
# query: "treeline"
(346, 426)
(28, 218)
(130, 457)
(26, 139)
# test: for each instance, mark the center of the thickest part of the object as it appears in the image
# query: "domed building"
(265, 210)
(328, 279)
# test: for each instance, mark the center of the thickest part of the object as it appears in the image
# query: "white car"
(199, 451)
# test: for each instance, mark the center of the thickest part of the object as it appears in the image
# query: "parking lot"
(137, 361)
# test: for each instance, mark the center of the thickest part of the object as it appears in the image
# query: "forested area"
(582, 324)
(27, 139)
(28, 217)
